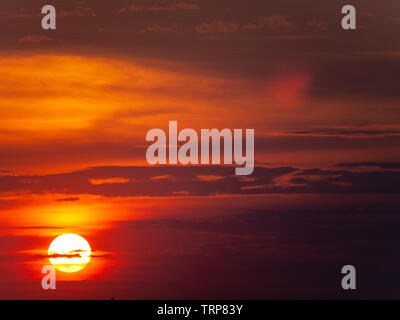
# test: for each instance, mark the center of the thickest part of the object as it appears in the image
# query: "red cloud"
(33, 39)
(277, 22)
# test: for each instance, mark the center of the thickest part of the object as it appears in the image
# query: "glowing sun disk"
(69, 252)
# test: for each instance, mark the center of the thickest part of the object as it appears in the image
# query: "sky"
(77, 102)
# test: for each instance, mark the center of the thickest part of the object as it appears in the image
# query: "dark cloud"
(68, 199)
(204, 181)
(264, 249)
(358, 77)
(252, 40)
(348, 132)
(142, 181)
(73, 254)
(296, 226)
(382, 165)
(68, 256)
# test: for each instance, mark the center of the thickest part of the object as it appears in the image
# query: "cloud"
(161, 6)
(217, 27)
(187, 5)
(158, 28)
(19, 14)
(136, 181)
(145, 181)
(294, 37)
(31, 228)
(109, 180)
(263, 186)
(68, 199)
(72, 254)
(273, 23)
(122, 10)
(163, 177)
(34, 39)
(277, 22)
(134, 8)
(382, 165)
(271, 242)
(209, 178)
(68, 256)
(318, 25)
(173, 6)
(271, 223)
(349, 132)
(77, 11)
(181, 193)
(131, 90)
(361, 69)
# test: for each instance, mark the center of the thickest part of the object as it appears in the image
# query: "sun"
(69, 252)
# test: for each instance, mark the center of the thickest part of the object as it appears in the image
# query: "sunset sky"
(76, 104)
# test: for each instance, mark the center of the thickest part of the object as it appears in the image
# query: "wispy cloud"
(166, 6)
(34, 39)
(208, 181)
(109, 180)
(217, 27)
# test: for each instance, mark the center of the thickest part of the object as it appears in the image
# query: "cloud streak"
(207, 181)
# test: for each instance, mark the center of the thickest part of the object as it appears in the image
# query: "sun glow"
(69, 252)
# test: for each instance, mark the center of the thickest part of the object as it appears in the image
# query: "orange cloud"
(109, 180)
(90, 102)
(209, 177)
(162, 177)
(68, 112)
